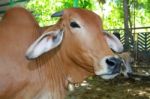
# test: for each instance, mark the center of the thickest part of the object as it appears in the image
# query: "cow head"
(79, 33)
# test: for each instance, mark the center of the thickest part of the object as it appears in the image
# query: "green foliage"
(114, 18)
(42, 9)
(142, 12)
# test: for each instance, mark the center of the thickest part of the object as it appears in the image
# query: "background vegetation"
(111, 11)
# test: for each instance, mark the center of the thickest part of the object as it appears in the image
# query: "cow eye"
(74, 25)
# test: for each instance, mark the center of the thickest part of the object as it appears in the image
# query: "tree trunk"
(128, 33)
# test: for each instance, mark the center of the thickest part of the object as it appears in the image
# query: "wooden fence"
(141, 44)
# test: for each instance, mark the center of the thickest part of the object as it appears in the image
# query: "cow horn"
(57, 14)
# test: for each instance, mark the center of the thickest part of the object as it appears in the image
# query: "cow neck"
(51, 72)
(75, 70)
(47, 72)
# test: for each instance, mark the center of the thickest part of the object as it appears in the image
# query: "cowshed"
(39, 62)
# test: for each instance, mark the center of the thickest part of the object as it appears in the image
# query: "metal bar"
(8, 3)
(139, 77)
(1, 12)
(5, 4)
(129, 28)
(148, 67)
(21, 1)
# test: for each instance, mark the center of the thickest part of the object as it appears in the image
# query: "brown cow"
(67, 52)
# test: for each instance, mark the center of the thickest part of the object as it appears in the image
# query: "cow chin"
(107, 76)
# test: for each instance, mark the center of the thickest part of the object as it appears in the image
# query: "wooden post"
(126, 26)
(129, 40)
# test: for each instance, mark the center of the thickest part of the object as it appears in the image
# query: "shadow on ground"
(118, 88)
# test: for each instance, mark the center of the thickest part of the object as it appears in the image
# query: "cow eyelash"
(74, 25)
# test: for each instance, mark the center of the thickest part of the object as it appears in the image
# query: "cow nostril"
(113, 65)
(111, 62)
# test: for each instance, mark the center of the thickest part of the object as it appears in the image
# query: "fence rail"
(6, 4)
(118, 29)
(141, 44)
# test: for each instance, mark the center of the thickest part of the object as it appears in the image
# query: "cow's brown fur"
(49, 74)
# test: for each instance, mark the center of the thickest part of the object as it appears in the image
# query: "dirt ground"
(118, 88)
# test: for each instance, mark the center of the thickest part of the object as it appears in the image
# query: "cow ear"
(113, 42)
(45, 43)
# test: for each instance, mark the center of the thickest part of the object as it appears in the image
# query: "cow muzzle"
(110, 67)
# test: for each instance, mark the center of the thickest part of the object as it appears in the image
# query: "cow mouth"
(109, 76)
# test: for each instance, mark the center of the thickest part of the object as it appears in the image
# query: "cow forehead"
(83, 17)
(83, 14)
(78, 10)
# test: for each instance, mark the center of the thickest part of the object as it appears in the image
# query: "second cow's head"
(79, 33)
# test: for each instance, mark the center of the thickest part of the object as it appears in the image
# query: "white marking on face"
(44, 95)
(109, 76)
(104, 68)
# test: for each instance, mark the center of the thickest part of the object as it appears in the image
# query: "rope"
(11, 3)
(75, 3)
